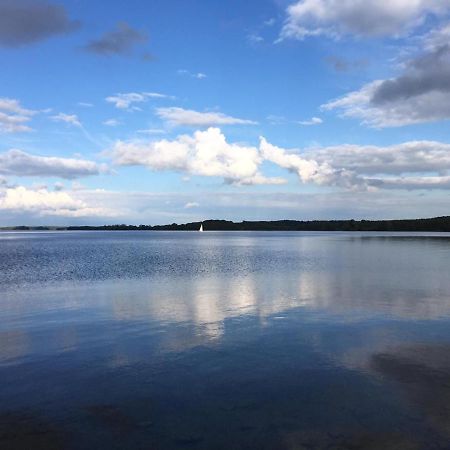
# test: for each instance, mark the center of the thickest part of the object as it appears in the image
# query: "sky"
(162, 111)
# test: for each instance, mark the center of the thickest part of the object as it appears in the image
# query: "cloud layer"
(410, 165)
(120, 41)
(42, 202)
(205, 153)
(187, 117)
(368, 18)
(101, 206)
(25, 22)
(13, 117)
(421, 93)
(312, 121)
(18, 163)
(127, 100)
(70, 119)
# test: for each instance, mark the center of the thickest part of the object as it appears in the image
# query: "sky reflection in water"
(241, 340)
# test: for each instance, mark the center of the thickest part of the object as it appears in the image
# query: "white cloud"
(205, 153)
(198, 75)
(357, 104)
(42, 202)
(152, 131)
(308, 169)
(13, 123)
(85, 104)
(168, 207)
(312, 121)
(255, 38)
(178, 117)
(112, 122)
(126, 100)
(421, 93)
(13, 117)
(370, 18)
(190, 205)
(407, 157)
(18, 163)
(71, 119)
(162, 208)
(13, 106)
(410, 165)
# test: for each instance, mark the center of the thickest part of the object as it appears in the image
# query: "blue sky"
(180, 110)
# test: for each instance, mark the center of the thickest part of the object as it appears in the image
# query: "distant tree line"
(432, 224)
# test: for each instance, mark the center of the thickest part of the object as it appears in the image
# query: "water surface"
(167, 340)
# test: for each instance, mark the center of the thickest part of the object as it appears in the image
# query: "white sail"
(201, 228)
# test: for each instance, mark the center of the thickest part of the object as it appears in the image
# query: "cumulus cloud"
(71, 119)
(309, 170)
(13, 117)
(420, 94)
(19, 163)
(27, 21)
(312, 121)
(42, 202)
(409, 165)
(120, 41)
(205, 153)
(175, 116)
(369, 18)
(127, 100)
(426, 74)
(407, 157)
(414, 165)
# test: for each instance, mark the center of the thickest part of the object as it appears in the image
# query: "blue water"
(166, 340)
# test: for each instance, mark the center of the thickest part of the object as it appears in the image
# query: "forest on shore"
(441, 224)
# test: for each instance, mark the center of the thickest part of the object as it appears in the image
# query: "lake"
(167, 340)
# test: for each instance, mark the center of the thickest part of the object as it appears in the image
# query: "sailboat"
(201, 228)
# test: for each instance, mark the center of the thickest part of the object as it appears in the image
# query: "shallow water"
(129, 340)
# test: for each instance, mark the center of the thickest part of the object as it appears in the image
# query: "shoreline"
(435, 224)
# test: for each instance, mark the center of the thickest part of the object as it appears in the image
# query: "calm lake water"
(159, 340)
